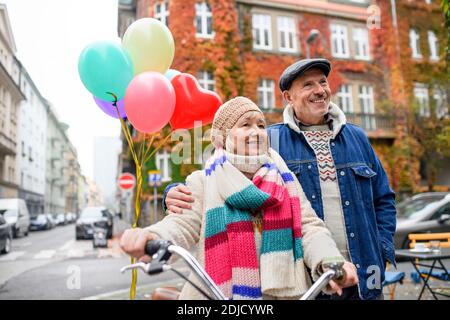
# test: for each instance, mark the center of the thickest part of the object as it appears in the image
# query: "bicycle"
(162, 250)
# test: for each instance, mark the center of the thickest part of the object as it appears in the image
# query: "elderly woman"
(255, 229)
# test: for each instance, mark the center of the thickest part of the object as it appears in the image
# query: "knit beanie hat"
(227, 116)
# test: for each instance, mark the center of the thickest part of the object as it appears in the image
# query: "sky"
(49, 36)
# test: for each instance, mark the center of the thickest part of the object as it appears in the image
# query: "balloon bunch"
(132, 82)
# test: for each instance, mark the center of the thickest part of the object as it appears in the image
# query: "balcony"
(376, 126)
(7, 145)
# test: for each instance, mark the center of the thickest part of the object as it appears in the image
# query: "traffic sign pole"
(155, 202)
(154, 180)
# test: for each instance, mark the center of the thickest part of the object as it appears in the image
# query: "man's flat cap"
(298, 68)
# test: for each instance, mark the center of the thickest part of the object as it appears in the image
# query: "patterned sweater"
(318, 138)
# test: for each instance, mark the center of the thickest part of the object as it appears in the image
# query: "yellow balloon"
(150, 45)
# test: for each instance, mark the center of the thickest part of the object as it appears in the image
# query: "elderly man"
(338, 170)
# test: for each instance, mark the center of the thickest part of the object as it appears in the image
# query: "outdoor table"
(436, 263)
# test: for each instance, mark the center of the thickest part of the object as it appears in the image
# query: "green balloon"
(105, 67)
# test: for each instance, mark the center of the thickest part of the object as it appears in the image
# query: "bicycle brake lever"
(148, 268)
(140, 265)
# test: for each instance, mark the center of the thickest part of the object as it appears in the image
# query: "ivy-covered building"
(388, 66)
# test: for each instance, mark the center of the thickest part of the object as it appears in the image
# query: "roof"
(5, 28)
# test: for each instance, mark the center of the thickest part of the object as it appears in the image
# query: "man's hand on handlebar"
(133, 242)
(350, 279)
(179, 198)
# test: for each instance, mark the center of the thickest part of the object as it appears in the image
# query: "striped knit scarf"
(230, 249)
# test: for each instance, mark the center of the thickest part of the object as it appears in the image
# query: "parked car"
(71, 217)
(92, 217)
(423, 213)
(51, 219)
(15, 212)
(6, 235)
(61, 219)
(42, 222)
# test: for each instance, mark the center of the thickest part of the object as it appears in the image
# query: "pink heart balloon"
(193, 103)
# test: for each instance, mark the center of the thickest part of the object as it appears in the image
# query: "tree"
(445, 5)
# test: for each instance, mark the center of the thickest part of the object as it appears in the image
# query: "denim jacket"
(367, 199)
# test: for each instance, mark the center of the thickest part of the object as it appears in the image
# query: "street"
(52, 265)
(42, 266)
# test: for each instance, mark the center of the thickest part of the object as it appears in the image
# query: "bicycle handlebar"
(152, 247)
(162, 250)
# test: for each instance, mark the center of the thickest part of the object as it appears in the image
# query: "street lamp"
(313, 34)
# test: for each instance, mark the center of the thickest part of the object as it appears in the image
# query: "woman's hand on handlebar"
(350, 279)
(133, 242)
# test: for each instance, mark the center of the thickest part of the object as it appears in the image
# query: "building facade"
(31, 146)
(95, 197)
(10, 98)
(426, 85)
(72, 176)
(241, 47)
(55, 194)
(38, 163)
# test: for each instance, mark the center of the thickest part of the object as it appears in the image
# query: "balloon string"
(127, 134)
(149, 147)
(139, 163)
(141, 150)
(158, 147)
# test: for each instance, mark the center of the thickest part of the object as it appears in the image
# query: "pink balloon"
(149, 102)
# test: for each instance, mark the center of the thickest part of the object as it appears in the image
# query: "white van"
(15, 212)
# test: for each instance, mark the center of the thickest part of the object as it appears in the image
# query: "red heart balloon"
(193, 103)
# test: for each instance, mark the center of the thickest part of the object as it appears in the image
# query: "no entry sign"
(126, 181)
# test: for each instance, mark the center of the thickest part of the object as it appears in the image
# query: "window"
(262, 31)
(203, 20)
(266, 98)
(434, 46)
(361, 42)
(339, 41)
(345, 99)
(440, 101)
(414, 43)
(366, 103)
(162, 12)
(286, 34)
(421, 96)
(206, 80)
(441, 211)
(163, 165)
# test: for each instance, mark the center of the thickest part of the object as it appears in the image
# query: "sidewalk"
(410, 290)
